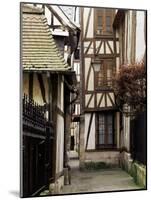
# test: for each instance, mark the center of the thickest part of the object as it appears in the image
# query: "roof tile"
(39, 50)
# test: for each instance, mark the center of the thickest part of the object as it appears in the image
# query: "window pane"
(105, 132)
(101, 129)
(100, 23)
(108, 23)
(104, 76)
(110, 128)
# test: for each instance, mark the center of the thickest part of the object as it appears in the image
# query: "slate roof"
(38, 48)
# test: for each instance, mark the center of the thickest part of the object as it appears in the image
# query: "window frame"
(100, 12)
(104, 86)
(106, 144)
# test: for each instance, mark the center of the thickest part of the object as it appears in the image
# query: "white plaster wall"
(109, 103)
(98, 98)
(60, 144)
(62, 94)
(91, 105)
(87, 97)
(91, 80)
(85, 17)
(36, 90)
(60, 101)
(91, 141)
(45, 80)
(129, 42)
(107, 49)
(117, 64)
(112, 96)
(91, 24)
(118, 128)
(48, 15)
(86, 45)
(87, 120)
(37, 96)
(103, 102)
(87, 65)
(25, 83)
(140, 39)
(111, 45)
(102, 50)
(117, 47)
(126, 132)
(125, 36)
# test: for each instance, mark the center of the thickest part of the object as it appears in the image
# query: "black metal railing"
(38, 144)
(34, 115)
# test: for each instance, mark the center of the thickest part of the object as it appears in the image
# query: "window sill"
(104, 89)
(104, 36)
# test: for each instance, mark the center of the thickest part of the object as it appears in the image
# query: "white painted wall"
(87, 119)
(87, 65)
(91, 80)
(60, 144)
(60, 100)
(25, 83)
(91, 24)
(91, 141)
(36, 90)
(129, 33)
(126, 131)
(91, 21)
(140, 38)
(60, 128)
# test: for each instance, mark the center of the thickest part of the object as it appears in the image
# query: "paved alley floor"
(97, 181)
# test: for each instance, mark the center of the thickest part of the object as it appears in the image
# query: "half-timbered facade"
(99, 132)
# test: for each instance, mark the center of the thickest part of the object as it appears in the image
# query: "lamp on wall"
(96, 65)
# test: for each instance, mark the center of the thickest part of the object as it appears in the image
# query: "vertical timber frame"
(54, 118)
(82, 64)
(91, 51)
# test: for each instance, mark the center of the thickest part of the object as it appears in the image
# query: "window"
(105, 134)
(104, 77)
(103, 21)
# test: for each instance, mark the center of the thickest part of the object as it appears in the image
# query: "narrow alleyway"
(95, 181)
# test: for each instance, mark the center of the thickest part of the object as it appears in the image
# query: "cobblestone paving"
(97, 181)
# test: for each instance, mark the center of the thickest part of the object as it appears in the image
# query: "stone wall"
(136, 170)
(108, 157)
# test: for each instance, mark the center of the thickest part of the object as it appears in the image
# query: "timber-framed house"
(48, 81)
(100, 119)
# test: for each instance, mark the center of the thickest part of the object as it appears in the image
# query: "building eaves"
(62, 18)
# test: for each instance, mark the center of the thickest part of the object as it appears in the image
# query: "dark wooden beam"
(100, 100)
(42, 87)
(31, 85)
(89, 100)
(110, 99)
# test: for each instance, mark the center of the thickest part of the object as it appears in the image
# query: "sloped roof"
(39, 51)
